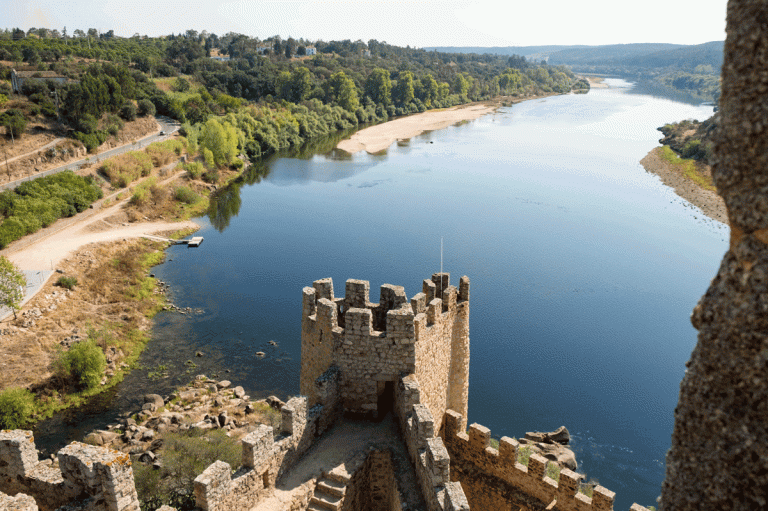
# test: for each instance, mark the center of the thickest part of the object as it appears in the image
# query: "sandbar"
(376, 139)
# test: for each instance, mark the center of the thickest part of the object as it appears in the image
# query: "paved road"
(167, 125)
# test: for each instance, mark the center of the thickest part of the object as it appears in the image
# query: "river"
(584, 271)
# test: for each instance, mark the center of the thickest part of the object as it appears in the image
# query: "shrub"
(128, 111)
(142, 192)
(83, 364)
(195, 169)
(211, 176)
(524, 454)
(16, 405)
(237, 164)
(186, 195)
(208, 157)
(67, 282)
(184, 456)
(146, 107)
(126, 168)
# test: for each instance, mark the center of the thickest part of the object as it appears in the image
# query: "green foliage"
(221, 139)
(83, 364)
(128, 111)
(14, 121)
(16, 406)
(91, 141)
(378, 87)
(146, 108)
(38, 203)
(12, 285)
(403, 93)
(692, 149)
(524, 454)
(553, 471)
(186, 195)
(208, 157)
(195, 169)
(211, 175)
(67, 282)
(184, 456)
(122, 170)
(141, 193)
(3, 99)
(342, 90)
(163, 153)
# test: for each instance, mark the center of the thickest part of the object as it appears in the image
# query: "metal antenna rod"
(441, 267)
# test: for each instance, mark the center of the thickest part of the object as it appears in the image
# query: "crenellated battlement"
(99, 477)
(489, 476)
(373, 343)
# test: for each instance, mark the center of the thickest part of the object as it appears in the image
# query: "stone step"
(326, 502)
(338, 474)
(313, 507)
(332, 487)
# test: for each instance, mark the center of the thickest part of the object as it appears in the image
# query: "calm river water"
(584, 271)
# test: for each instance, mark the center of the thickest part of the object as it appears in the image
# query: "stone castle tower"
(374, 344)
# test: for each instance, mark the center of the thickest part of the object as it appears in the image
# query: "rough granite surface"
(719, 453)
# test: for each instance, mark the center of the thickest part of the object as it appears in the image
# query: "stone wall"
(493, 479)
(442, 345)
(373, 344)
(94, 477)
(427, 451)
(267, 456)
(373, 487)
(19, 502)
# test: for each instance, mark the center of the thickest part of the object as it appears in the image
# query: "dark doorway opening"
(386, 401)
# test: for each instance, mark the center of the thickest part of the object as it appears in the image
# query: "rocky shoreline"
(204, 404)
(709, 202)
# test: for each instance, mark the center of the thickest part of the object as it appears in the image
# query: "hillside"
(691, 72)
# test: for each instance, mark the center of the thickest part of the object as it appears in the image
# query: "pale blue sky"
(416, 23)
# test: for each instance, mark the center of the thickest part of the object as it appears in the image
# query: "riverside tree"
(12, 284)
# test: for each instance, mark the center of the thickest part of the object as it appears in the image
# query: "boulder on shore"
(559, 436)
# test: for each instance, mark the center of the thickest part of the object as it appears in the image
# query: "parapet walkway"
(345, 448)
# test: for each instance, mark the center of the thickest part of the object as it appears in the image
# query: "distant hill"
(523, 51)
(616, 57)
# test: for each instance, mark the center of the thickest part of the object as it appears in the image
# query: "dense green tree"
(14, 121)
(342, 90)
(460, 85)
(402, 93)
(378, 87)
(145, 108)
(221, 139)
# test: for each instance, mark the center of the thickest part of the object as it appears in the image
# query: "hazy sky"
(416, 23)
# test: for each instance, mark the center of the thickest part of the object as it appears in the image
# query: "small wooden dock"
(192, 242)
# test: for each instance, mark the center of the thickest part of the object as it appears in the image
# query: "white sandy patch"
(378, 138)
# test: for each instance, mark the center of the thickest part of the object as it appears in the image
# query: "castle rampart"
(99, 479)
(493, 479)
(373, 344)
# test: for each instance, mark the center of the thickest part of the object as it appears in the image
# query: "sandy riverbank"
(597, 82)
(709, 202)
(378, 138)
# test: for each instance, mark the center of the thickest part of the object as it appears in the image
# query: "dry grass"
(111, 277)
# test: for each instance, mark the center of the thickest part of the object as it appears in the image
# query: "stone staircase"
(330, 490)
